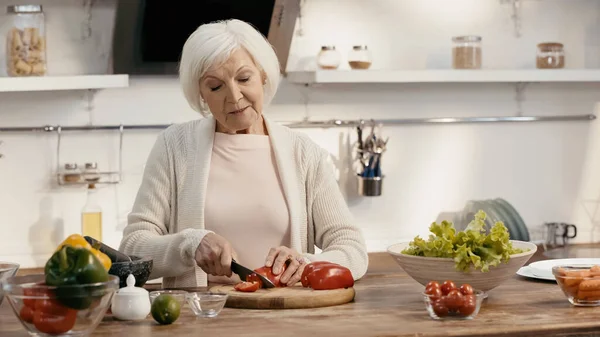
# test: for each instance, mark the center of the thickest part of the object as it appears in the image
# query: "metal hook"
(59, 134)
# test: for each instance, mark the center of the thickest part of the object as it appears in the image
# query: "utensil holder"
(370, 186)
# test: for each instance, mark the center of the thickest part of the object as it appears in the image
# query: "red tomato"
(447, 286)
(434, 293)
(33, 292)
(26, 314)
(327, 277)
(454, 300)
(247, 287)
(466, 289)
(51, 317)
(434, 284)
(468, 306)
(54, 324)
(440, 308)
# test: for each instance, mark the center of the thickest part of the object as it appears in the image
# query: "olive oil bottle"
(91, 215)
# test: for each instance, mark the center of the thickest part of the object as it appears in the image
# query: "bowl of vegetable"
(7, 270)
(66, 310)
(580, 284)
(452, 301)
(471, 256)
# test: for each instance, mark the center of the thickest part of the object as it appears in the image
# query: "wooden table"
(387, 304)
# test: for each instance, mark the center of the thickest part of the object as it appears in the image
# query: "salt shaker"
(131, 303)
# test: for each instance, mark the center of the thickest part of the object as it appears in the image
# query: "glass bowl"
(179, 295)
(580, 284)
(206, 304)
(454, 309)
(7, 269)
(45, 310)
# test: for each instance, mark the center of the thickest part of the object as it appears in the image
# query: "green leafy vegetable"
(469, 248)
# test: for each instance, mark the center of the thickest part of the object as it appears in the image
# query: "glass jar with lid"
(329, 58)
(91, 174)
(466, 52)
(359, 57)
(550, 55)
(72, 174)
(26, 41)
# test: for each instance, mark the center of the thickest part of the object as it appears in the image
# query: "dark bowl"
(140, 267)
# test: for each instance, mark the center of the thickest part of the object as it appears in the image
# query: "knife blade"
(244, 272)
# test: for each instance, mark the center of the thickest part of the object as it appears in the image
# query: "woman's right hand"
(214, 255)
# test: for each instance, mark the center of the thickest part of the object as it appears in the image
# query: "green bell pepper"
(74, 266)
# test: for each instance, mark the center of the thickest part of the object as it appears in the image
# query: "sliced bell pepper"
(326, 276)
(74, 266)
(78, 241)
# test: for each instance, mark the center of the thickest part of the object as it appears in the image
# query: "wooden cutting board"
(296, 297)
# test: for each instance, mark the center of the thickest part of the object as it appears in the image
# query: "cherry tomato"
(468, 306)
(454, 300)
(247, 287)
(466, 289)
(440, 308)
(26, 314)
(447, 286)
(51, 317)
(434, 293)
(432, 284)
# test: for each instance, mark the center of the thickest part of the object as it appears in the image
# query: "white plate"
(526, 272)
(544, 268)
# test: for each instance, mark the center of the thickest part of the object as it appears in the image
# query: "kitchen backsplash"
(548, 171)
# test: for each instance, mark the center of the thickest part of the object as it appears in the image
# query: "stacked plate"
(497, 210)
(542, 270)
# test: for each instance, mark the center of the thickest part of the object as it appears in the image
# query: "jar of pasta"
(26, 41)
(550, 55)
(466, 52)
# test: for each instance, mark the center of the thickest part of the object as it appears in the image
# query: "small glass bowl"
(205, 304)
(179, 295)
(7, 269)
(74, 310)
(580, 284)
(438, 308)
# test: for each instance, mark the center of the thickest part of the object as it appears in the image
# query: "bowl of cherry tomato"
(449, 301)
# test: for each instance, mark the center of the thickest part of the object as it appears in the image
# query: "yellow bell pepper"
(78, 241)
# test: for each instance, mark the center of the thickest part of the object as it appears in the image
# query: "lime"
(165, 309)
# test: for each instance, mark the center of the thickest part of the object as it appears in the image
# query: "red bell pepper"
(323, 275)
(253, 282)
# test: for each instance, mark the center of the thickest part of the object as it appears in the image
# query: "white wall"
(548, 171)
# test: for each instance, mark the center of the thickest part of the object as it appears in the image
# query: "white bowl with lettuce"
(471, 256)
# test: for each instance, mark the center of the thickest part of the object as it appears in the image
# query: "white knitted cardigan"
(167, 219)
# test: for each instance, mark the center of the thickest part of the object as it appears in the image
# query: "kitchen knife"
(244, 272)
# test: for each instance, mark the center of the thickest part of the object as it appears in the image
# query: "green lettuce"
(471, 248)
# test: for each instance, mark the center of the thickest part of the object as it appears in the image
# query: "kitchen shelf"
(51, 83)
(443, 76)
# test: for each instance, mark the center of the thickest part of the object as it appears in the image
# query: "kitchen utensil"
(115, 255)
(244, 272)
(7, 270)
(525, 271)
(22, 291)
(295, 297)
(544, 268)
(179, 295)
(424, 269)
(205, 304)
(560, 230)
(140, 267)
(579, 289)
(131, 303)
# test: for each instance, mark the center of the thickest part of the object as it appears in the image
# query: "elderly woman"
(234, 184)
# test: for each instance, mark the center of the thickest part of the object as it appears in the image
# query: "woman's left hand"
(277, 258)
